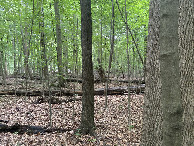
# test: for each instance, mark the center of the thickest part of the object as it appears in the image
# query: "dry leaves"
(111, 124)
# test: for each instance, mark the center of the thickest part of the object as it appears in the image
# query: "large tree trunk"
(59, 43)
(152, 116)
(170, 74)
(186, 37)
(163, 110)
(87, 118)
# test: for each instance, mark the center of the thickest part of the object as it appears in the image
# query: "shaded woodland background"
(41, 71)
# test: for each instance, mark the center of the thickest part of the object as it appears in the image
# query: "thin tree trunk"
(14, 56)
(26, 54)
(128, 70)
(59, 44)
(87, 119)
(2, 67)
(130, 32)
(43, 46)
(29, 43)
(111, 53)
(101, 38)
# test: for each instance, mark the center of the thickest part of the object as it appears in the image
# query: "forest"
(97, 72)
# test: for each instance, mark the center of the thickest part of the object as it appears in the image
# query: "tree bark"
(152, 113)
(186, 49)
(170, 77)
(128, 68)
(87, 119)
(111, 50)
(26, 53)
(42, 43)
(59, 44)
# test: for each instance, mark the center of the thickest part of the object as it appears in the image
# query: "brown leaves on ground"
(111, 124)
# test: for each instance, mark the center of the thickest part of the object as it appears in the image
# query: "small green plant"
(120, 107)
(92, 140)
(77, 133)
(15, 132)
(130, 127)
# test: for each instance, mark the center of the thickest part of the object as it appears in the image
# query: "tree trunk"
(152, 115)
(101, 36)
(163, 112)
(59, 44)
(111, 50)
(26, 53)
(42, 45)
(170, 77)
(14, 56)
(87, 119)
(186, 49)
(128, 68)
(1, 58)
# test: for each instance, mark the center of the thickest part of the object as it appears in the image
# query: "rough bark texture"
(1, 62)
(59, 43)
(170, 77)
(43, 44)
(186, 48)
(26, 53)
(87, 118)
(152, 116)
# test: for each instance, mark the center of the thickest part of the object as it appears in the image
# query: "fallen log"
(100, 91)
(135, 81)
(73, 80)
(21, 129)
(54, 100)
(5, 84)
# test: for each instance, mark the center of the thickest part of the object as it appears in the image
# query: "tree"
(26, 51)
(112, 39)
(87, 118)
(43, 43)
(152, 115)
(186, 45)
(59, 43)
(170, 74)
(168, 106)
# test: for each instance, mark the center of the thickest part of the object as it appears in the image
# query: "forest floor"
(111, 124)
